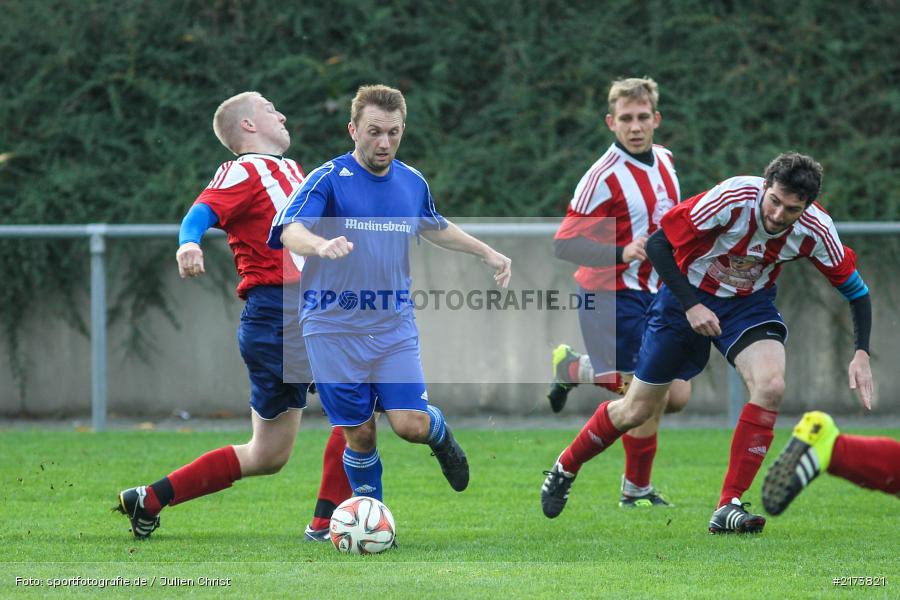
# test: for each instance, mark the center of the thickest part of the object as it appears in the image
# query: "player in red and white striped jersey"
(719, 254)
(617, 204)
(242, 199)
(634, 190)
(243, 194)
(724, 246)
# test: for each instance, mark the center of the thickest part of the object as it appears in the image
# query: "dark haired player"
(719, 254)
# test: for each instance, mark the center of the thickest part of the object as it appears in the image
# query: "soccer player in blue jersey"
(353, 218)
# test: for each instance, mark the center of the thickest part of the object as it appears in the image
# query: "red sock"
(334, 487)
(752, 438)
(573, 371)
(151, 502)
(869, 462)
(596, 436)
(610, 381)
(639, 454)
(212, 472)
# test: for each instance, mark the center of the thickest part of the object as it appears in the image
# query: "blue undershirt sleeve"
(854, 287)
(195, 223)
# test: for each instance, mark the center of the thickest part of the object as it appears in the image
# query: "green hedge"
(108, 105)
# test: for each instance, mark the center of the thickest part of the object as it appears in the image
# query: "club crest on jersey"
(740, 272)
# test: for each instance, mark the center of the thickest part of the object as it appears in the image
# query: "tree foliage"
(108, 112)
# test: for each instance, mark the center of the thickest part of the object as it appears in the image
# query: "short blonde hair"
(633, 88)
(227, 120)
(382, 96)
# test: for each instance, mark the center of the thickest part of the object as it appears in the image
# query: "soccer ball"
(362, 525)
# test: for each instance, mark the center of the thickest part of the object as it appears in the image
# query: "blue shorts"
(272, 347)
(599, 328)
(356, 372)
(672, 350)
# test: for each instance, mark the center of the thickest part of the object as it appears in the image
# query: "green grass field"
(57, 489)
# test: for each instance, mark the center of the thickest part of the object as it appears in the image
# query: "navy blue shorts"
(271, 344)
(672, 350)
(357, 373)
(618, 317)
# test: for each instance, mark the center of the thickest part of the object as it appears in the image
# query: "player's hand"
(635, 250)
(703, 321)
(335, 248)
(502, 266)
(861, 378)
(190, 260)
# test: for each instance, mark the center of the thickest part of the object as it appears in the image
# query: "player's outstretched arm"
(300, 240)
(454, 238)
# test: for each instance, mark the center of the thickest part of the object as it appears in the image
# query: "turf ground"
(57, 488)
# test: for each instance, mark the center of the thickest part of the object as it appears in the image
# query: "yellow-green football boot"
(807, 454)
(563, 356)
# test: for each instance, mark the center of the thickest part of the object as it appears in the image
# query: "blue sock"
(437, 429)
(364, 472)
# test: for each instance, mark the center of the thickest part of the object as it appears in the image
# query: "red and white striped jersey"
(636, 195)
(721, 245)
(245, 194)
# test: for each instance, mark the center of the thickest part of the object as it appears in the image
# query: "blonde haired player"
(242, 198)
(358, 210)
(616, 205)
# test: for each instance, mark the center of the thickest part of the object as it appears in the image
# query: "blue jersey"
(367, 291)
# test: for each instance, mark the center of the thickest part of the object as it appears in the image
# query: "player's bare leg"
(640, 451)
(411, 425)
(267, 451)
(761, 366)
(271, 445)
(609, 422)
(641, 402)
(679, 396)
(639, 444)
(361, 438)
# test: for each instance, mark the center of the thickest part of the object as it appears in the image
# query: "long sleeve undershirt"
(661, 254)
(195, 223)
